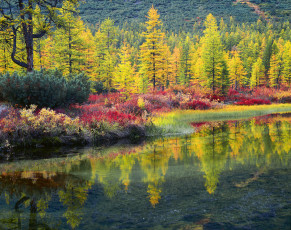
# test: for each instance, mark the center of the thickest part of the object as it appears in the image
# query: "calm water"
(227, 175)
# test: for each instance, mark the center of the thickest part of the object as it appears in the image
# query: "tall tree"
(69, 44)
(152, 48)
(167, 78)
(89, 52)
(276, 65)
(212, 53)
(17, 16)
(267, 53)
(258, 74)
(124, 76)
(106, 52)
(236, 70)
(287, 63)
(185, 74)
(175, 63)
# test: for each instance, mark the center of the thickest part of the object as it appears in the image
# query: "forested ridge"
(216, 55)
(180, 15)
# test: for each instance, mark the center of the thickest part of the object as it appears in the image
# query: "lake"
(226, 175)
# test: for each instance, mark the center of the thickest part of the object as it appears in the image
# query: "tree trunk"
(154, 66)
(70, 50)
(29, 52)
(27, 28)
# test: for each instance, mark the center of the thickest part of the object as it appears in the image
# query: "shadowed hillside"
(181, 15)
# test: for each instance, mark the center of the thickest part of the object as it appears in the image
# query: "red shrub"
(252, 102)
(130, 107)
(197, 105)
(156, 103)
(232, 92)
(161, 93)
(109, 116)
(93, 98)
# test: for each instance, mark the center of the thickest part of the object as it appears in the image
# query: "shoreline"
(181, 119)
(176, 122)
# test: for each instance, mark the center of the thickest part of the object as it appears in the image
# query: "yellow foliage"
(49, 121)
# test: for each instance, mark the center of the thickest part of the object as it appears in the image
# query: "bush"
(23, 126)
(253, 102)
(78, 89)
(92, 119)
(131, 107)
(45, 88)
(197, 105)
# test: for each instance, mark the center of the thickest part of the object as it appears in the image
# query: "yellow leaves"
(124, 76)
(49, 121)
(236, 70)
(141, 102)
(153, 17)
(152, 50)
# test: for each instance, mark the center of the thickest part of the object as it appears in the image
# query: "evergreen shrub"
(44, 88)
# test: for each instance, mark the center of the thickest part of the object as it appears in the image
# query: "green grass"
(178, 122)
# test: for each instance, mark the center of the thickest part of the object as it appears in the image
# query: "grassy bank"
(98, 123)
(178, 122)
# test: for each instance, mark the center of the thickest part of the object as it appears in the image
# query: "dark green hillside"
(178, 14)
(278, 8)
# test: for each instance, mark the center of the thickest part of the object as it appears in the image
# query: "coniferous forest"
(123, 73)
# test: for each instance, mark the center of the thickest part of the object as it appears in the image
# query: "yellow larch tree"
(69, 45)
(106, 52)
(89, 52)
(152, 49)
(236, 70)
(276, 64)
(124, 75)
(165, 71)
(175, 63)
(287, 64)
(258, 73)
(197, 70)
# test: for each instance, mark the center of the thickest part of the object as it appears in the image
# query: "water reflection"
(34, 193)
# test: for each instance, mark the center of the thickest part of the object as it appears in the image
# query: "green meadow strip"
(178, 122)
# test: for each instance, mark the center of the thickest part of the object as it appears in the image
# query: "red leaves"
(196, 104)
(253, 102)
(232, 92)
(109, 116)
(130, 107)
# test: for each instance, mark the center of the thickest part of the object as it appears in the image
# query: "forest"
(106, 76)
(180, 16)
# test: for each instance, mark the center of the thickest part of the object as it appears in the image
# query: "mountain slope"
(180, 14)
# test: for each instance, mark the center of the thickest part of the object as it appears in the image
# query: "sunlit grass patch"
(177, 122)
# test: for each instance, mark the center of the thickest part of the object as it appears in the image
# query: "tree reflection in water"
(215, 148)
